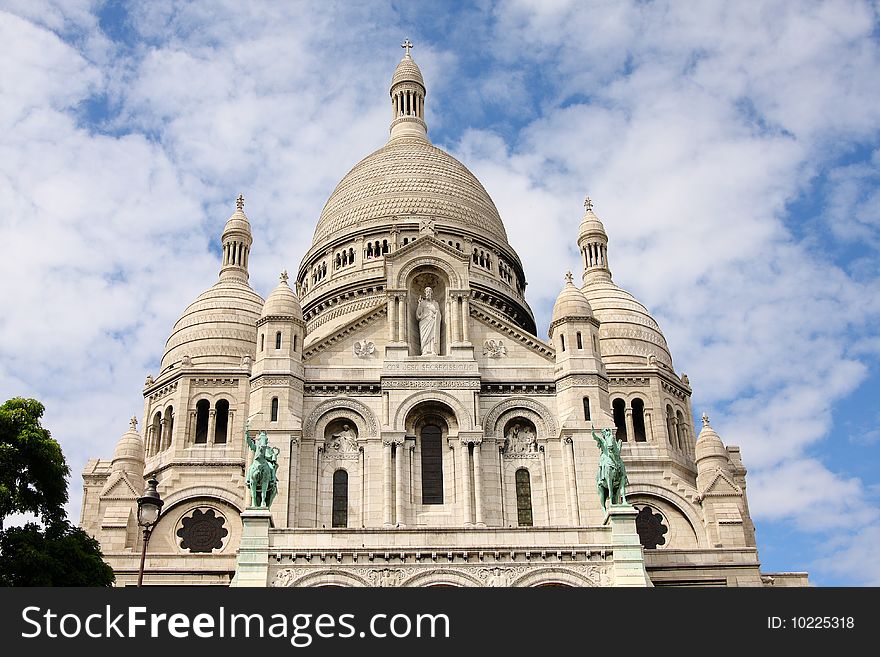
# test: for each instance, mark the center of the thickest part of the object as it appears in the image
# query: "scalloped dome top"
(129, 453)
(407, 178)
(627, 332)
(218, 328)
(407, 71)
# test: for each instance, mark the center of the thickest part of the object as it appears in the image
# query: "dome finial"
(133, 423)
(588, 203)
(705, 419)
(239, 202)
(406, 45)
(569, 279)
(284, 277)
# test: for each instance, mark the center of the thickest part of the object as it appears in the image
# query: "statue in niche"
(344, 441)
(520, 439)
(428, 314)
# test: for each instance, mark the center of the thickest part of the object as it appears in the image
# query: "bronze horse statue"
(611, 479)
(262, 479)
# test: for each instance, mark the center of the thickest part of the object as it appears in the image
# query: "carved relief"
(494, 348)
(500, 576)
(364, 348)
(343, 441)
(342, 403)
(520, 438)
(538, 413)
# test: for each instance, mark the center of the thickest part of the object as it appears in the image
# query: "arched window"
(350, 256)
(340, 499)
(169, 426)
(562, 340)
(670, 425)
(369, 249)
(221, 422)
(157, 431)
(432, 465)
(586, 408)
(680, 430)
(580, 341)
(278, 340)
(384, 246)
(274, 413)
(202, 408)
(618, 406)
(638, 407)
(523, 498)
(476, 257)
(262, 341)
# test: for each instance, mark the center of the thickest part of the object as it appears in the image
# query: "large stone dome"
(627, 332)
(218, 328)
(406, 179)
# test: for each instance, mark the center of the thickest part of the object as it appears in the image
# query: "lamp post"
(149, 508)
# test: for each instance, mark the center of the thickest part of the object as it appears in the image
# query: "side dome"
(627, 332)
(282, 302)
(218, 328)
(406, 179)
(570, 304)
(129, 453)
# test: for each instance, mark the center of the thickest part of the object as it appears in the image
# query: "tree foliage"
(59, 555)
(33, 479)
(33, 472)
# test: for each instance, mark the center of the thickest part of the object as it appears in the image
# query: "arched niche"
(421, 278)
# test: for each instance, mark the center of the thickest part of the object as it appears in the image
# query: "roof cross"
(588, 203)
(284, 276)
(406, 45)
(569, 278)
(239, 202)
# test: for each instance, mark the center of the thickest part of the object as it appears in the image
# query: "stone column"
(456, 319)
(574, 511)
(387, 508)
(212, 424)
(392, 318)
(398, 483)
(293, 485)
(649, 427)
(466, 313)
(628, 420)
(468, 493)
(163, 433)
(501, 480)
(478, 487)
(401, 319)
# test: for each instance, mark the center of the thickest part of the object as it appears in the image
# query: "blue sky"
(731, 150)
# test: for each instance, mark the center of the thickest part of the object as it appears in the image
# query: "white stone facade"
(473, 466)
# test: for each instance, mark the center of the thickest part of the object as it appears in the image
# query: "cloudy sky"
(731, 150)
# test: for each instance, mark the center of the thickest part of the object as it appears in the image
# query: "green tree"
(33, 472)
(33, 479)
(59, 555)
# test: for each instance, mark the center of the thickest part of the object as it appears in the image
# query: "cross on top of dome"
(569, 278)
(705, 419)
(284, 276)
(406, 45)
(588, 203)
(239, 202)
(133, 423)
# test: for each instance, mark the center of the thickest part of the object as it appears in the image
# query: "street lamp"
(149, 508)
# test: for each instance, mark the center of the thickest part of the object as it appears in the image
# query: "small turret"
(128, 457)
(237, 240)
(593, 245)
(408, 98)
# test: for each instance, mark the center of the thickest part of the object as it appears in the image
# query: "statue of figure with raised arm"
(611, 479)
(428, 314)
(262, 479)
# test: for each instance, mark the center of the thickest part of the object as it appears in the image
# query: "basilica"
(425, 431)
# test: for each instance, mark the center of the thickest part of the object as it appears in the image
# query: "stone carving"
(426, 226)
(372, 426)
(428, 315)
(520, 439)
(344, 441)
(385, 577)
(364, 348)
(500, 576)
(246, 362)
(494, 348)
(185, 361)
(542, 418)
(262, 479)
(202, 531)
(611, 477)
(149, 380)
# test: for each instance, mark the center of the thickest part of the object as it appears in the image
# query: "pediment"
(119, 487)
(347, 333)
(722, 486)
(511, 333)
